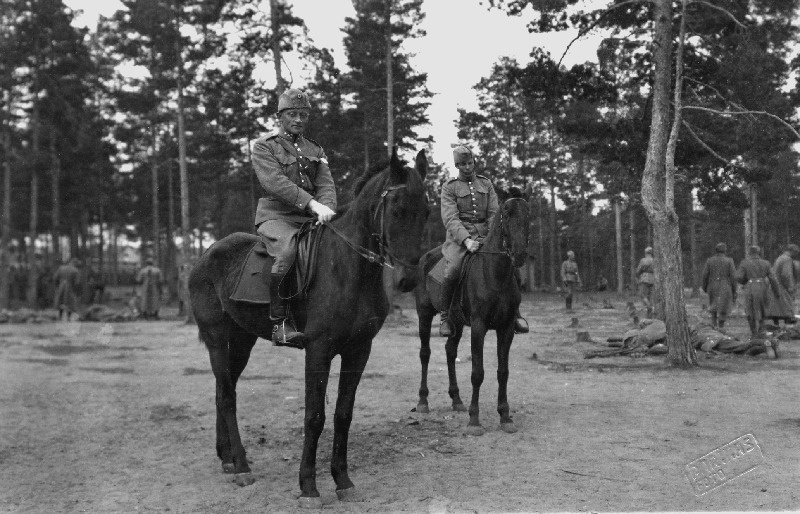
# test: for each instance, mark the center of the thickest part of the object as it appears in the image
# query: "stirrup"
(283, 337)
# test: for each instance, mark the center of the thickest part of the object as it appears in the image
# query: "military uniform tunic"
(719, 281)
(646, 277)
(756, 275)
(152, 281)
(293, 171)
(469, 204)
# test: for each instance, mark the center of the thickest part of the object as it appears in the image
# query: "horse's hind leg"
(228, 352)
(352, 367)
(504, 338)
(425, 315)
(451, 349)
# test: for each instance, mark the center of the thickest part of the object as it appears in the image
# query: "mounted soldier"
(469, 203)
(293, 170)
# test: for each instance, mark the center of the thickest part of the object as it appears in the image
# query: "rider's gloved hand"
(323, 212)
(472, 245)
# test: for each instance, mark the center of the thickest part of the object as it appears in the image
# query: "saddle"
(252, 284)
(433, 283)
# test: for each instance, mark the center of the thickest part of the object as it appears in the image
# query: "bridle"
(507, 250)
(384, 256)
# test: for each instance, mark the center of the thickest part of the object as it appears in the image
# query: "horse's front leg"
(353, 364)
(478, 334)
(504, 338)
(451, 350)
(318, 365)
(425, 317)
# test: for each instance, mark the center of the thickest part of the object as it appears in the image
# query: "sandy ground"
(120, 418)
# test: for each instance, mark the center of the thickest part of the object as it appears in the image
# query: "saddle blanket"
(252, 286)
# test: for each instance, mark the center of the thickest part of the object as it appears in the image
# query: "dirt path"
(120, 418)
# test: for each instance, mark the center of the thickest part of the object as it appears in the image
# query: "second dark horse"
(491, 299)
(344, 308)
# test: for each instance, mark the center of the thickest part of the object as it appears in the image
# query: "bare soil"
(120, 418)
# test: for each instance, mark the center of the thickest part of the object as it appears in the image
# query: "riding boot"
(721, 321)
(448, 288)
(649, 313)
(714, 320)
(569, 303)
(753, 326)
(520, 324)
(283, 331)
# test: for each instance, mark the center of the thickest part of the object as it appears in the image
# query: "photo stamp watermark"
(723, 464)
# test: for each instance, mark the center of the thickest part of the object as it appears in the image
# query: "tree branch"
(585, 31)
(672, 142)
(703, 143)
(721, 9)
(729, 113)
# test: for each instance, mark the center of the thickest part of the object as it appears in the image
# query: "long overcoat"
(782, 305)
(719, 281)
(151, 282)
(66, 278)
(756, 275)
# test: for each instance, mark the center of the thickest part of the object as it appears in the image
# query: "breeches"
(452, 263)
(280, 238)
(569, 289)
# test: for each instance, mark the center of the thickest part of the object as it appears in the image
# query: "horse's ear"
(421, 163)
(396, 165)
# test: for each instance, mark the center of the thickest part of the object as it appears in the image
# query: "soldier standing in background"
(719, 281)
(66, 279)
(152, 287)
(645, 274)
(781, 306)
(570, 277)
(756, 275)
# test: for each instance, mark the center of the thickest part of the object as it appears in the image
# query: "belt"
(472, 219)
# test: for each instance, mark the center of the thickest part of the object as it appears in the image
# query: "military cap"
(649, 250)
(793, 248)
(293, 99)
(721, 247)
(462, 154)
(754, 250)
(570, 254)
(149, 261)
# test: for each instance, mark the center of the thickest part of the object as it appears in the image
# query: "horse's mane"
(368, 175)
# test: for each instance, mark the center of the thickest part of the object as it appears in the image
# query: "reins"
(384, 256)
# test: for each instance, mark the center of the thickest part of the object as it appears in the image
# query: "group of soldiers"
(768, 289)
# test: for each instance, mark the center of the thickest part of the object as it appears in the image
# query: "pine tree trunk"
(618, 230)
(172, 268)
(33, 224)
(184, 174)
(275, 45)
(154, 186)
(655, 195)
(632, 229)
(540, 226)
(553, 239)
(55, 191)
(5, 231)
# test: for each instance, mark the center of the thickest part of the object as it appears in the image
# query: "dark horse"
(343, 309)
(491, 298)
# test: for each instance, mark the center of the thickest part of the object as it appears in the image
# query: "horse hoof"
(243, 479)
(508, 428)
(310, 502)
(228, 468)
(351, 494)
(459, 407)
(475, 430)
(423, 408)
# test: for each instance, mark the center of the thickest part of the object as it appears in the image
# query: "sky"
(464, 39)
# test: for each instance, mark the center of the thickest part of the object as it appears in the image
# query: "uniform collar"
(466, 178)
(289, 137)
